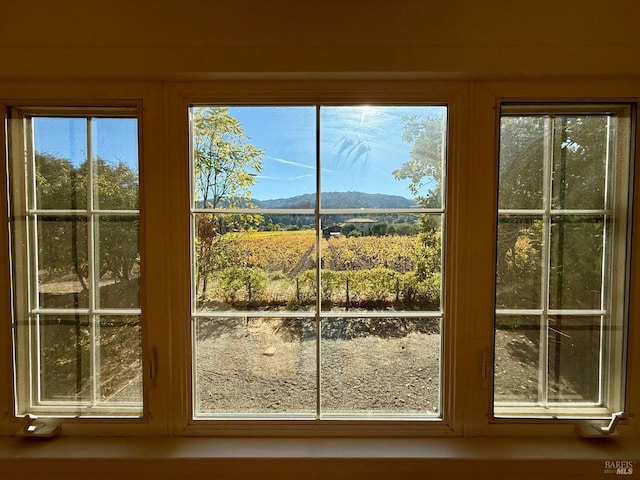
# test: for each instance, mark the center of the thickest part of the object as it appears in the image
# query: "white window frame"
(283, 94)
(615, 266)
(487, 100)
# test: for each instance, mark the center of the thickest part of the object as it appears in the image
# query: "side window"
(562, 260)
(75, 262)
(317, 236)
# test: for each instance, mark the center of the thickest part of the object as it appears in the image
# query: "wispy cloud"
(291, 162)
(297, 177)
(301, 176)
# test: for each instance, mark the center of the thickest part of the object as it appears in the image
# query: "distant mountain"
(339, 200)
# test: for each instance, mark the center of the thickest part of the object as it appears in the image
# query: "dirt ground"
(256, 367)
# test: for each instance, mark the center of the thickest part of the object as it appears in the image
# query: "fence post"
(348, 300)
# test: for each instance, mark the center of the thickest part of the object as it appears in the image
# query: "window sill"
(159, 458)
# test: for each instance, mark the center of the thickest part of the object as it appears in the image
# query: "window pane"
(574, 359)
(382, 156)
(561, 258)
(519, 260)
(253, 156)
(115, 162)
(65, 358)
(120, 359)
(62, 262)
(252, 365)
(577, 247)
(266, 239)
(580, 162)
(247, 269)
(119, 262)
(60, 163)
(522, 146)
(517, 356)
(380, 366)
(381, 262)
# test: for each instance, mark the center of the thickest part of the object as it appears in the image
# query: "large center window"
(317, 245)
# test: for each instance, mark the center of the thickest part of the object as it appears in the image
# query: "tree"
(63, 239)
(237, 280)
(379, 229)
(575, 147)
(59, 184)
(425, 168)
(225, 166)
(425, 172)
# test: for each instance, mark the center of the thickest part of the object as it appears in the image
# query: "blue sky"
(360, 147)
(114, 139)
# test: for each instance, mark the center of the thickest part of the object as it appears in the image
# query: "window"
(297, 262)
(562, 260)
(76, 262)
(317, 236)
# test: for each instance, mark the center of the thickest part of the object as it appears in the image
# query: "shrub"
(375, 285)
(306, 286)
(277, 275)
(424, 293)
(331, 282)
(251, 281)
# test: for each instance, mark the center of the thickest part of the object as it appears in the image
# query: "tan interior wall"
(437, 38)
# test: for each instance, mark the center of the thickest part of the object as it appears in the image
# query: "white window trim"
(301, 93)
(487, 99)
